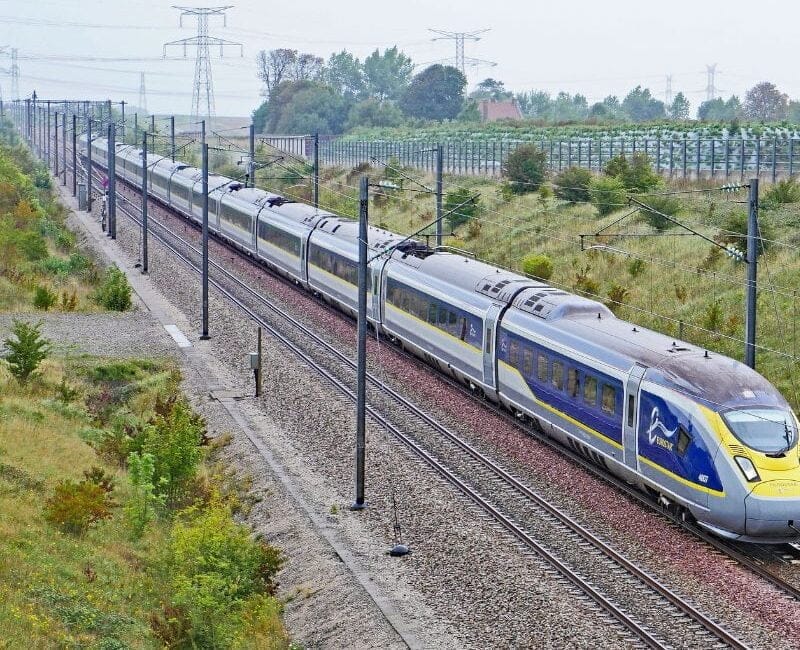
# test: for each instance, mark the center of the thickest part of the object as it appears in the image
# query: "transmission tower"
(203, 93)
(142, 94)
(711, 88)
(14, 75)
(460, 60)
(668, 93)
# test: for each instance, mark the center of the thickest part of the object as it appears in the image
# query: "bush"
(217, 570)
(26, 350)
(785, 191)
(636, 267)
(461, 206)
(617, 295)
(69, 301)
(76, 506)
(585, 283)
(607, 194)
(661, 205)
(173, 441)
(539, 266)
(635, 172)
(115, 292)
(141, 507)
(525, 168)
(734, 232)
(43, 298)
(572, 184)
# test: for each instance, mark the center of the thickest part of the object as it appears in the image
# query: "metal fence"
(728, 158)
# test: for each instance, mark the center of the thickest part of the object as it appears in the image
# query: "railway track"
(658, 618)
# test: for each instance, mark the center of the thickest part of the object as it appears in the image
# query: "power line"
(203, 84)
(460, 61)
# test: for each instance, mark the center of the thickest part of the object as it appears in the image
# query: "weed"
(712, 317)
(69, 301)
(636, 267)
(585, 283)
(115, 292)
(680, 293)
(142, 505)
(617, 295)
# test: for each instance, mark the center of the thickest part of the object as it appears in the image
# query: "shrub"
(539, 266)
(43, 298)
(585, 283)
(26, 350)
(712, 317)
(76, 506)
(525, 168)
(572, 184)
(784, 191)
(141, 507)
(69, 301)
(680, 293)
(661, 205)
(216, 569)
(173, 440)
(607, 194)
(734, 232)
(635, 172)
(461, 206)
(115, 292)
(636, 267)
(617, 295)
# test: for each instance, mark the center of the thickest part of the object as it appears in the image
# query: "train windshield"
(770, 431)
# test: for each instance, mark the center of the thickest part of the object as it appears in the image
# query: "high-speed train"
(705, 434)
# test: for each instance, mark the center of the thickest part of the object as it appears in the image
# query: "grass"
(101, 589)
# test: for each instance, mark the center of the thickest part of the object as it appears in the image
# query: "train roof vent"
(501, 286)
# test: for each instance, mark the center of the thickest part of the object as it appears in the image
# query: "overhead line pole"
(89, 164)
(112, 179)
(439, 191)
(145, 257)
(74, 155)
(361, 388)
(204, 336)
(752, 275)
(316, 170)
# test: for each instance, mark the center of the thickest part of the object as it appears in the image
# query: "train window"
(609, 399)
(489, 333)
(433, 313)
(558, 375)
(463, 335)
(590, 390)
(631, 409)
(573, 385)
(513, 353)
(683, 442)
(527, 362)
(541, 369)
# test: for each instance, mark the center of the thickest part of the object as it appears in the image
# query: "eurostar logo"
(657, 427)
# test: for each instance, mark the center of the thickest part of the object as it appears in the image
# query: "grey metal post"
(74, 155)
(361, 388)
(204, 336)
(316, 166)
(55, 143)
(713, 162)
(47, 142)
(145, 233)
(124, 132)
(685, 153)
(112, 180)
(697, 159)
(727, 157)
(774, 159)
(89, 164)
(439, 192)
(64, 146)
(135, 127)
(172, 136)
(741, 160)
(791, 157)
(758, 157)
(752, 275)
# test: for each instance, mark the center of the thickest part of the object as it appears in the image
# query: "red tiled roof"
(493, 111)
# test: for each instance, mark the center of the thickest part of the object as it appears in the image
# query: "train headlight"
(747, 467)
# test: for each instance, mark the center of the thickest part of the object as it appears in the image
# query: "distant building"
(492, 111)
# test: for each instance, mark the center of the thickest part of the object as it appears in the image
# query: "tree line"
(305, 93)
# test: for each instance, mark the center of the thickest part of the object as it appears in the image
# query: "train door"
(490, 325)
(629, 416)
(375, 271)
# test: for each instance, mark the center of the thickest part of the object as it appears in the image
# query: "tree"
(679, 109)
(610, 108)
(387, 74)
(569, 108)
(640, 105)
(371, 112)
(273, 67)
(793, 114)
(277, 66)
(345, 74)
(491, 89)
(311, 107)
(719, 110)
(26, 350)
(535, 104)
(766, 103)
(436, 93)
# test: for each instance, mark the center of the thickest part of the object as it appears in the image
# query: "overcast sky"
(72, 48)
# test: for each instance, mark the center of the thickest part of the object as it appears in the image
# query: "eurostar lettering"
(662, 442)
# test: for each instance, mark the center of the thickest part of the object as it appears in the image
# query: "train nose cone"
(772, 509)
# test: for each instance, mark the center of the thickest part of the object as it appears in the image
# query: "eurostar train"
(708, 436)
